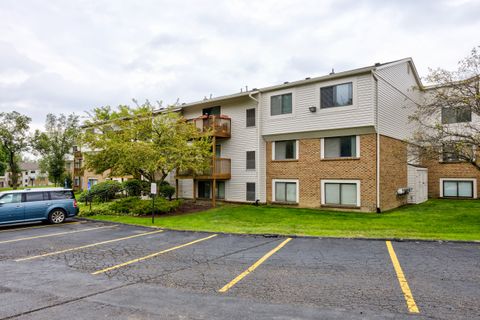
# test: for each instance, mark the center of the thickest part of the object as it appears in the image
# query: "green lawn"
(435, 219)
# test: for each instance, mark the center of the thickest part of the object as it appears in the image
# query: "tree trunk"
(13, 170)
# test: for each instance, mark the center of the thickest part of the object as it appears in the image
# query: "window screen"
(341, 193)
(340, 147)
(251, 191)
(250, 117)
(286, 191)
(281, 104)
(336, 96)
(285, 150)
(250, 159)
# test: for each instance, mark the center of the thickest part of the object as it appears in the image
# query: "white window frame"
(278, 93)
(357, 182)
(297, 144)
(473, 180)
(274, 181)
(322, 147)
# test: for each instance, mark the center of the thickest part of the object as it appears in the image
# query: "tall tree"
(3, 161)
(449, 119)
(14, 140)
(55, 143)
(137, 142)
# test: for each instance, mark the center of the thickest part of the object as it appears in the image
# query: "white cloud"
(70, 56)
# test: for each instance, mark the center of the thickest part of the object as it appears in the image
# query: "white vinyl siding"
(359, 114)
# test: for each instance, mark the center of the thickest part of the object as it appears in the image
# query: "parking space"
(47, 269)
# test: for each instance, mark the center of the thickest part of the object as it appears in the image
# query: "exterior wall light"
(312, 109)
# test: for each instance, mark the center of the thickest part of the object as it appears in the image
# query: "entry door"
(204, 188)
(422, 185)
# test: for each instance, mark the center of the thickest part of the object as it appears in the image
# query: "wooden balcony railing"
(223, 171)
(220, 125)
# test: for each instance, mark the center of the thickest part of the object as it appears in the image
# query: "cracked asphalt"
(308, 278)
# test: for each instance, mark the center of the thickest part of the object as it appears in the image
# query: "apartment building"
(335, 141)
(30, 176)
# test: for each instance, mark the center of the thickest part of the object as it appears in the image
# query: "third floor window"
(456, 114)
(336, 96)
(281, 104)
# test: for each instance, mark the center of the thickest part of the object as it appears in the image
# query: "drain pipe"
(258, 119)
(377, 162)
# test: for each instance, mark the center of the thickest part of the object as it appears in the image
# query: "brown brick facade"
(310, 169)
(438, 170)
(393, 172)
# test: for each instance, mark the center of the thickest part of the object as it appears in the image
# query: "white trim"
(297, 145)
(357, 146)
(274, 181)
(322, 191)
(459, 179)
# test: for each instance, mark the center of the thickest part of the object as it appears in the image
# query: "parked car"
(53, 205)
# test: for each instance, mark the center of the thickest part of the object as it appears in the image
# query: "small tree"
(138, 142)
(445, 126)
(14, 140)
(55, 143)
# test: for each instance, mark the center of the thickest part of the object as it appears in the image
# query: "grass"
(435, 219)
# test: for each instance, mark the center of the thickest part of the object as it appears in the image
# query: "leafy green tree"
(14, 140)
(141, 143)
(3, 161)
(446, 121)
(55, 143)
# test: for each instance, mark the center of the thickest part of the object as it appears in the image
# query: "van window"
(61, 195)
(35, 196)
(11, 198)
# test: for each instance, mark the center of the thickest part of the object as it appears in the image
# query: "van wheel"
(56, 216)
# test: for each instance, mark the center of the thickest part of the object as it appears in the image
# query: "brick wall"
(393, 172)
(437, 170)
(309, 169)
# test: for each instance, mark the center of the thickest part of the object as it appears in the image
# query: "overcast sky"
(71, 56)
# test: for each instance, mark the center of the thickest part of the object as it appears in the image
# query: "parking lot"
(90, 270)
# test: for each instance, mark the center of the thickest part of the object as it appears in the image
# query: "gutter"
(258, 154)
(377, 152)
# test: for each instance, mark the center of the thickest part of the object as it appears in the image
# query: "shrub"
(134, 206)
(135, 187)
(101, 192)
(166, 190)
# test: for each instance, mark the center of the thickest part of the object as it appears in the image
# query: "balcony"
(222, 171)
(220, 125)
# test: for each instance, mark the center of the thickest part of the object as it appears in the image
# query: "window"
(250, 159)
(455, 153)
(11, 198)
(336, 96)
(250, 117)
(339, 147)
(456, 114)
(251, 191)
(220, 190)
(341, 192)
(61, 195)
(218, 150)
(213, 111)
(285, 191)
(281, 104)
(285, 150)
(457, 188)
(35, 196)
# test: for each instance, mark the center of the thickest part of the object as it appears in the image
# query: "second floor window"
(281, 104)
(250, 159)
(456, 114)
(336, 96)
(339, 147)
(251, 117)
(285, 150)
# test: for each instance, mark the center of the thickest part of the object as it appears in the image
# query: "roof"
(285, 85)
(28, 166)
(35, 190)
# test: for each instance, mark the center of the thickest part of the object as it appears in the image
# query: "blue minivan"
(53, 205)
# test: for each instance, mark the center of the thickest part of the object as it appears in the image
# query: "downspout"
(377, 153)
(258, 164)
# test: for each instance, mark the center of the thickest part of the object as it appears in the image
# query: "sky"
(71, 56)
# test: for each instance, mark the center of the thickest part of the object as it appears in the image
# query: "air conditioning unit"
(404, 191)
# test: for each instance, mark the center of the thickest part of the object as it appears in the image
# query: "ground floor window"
(251, 191)
(204, 188)
(91, 183)
(458, 188)
(341, 192)
(285, 191)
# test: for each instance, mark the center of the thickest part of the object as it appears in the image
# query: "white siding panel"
(398, 95)
(360, 114)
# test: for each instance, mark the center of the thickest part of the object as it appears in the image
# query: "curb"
(295, 236)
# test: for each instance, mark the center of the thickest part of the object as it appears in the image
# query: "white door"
(422, 185)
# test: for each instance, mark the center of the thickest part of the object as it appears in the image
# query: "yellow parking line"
(54, 234)
(38, 227)
(87, 246)
(253, 266)
(151, 255)
(411, 305)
